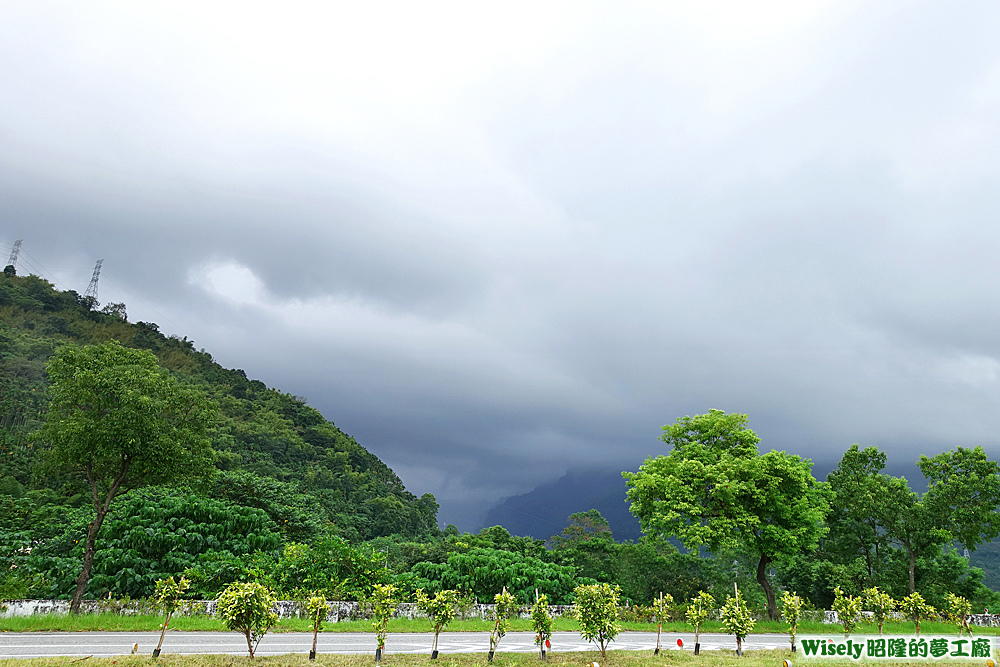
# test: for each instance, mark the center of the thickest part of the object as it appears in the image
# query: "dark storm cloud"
(498, 257)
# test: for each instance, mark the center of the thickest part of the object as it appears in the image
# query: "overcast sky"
(495, 242)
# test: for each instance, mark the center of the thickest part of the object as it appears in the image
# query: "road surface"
(101, 644)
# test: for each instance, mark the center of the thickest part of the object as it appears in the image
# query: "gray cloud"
(494, 256)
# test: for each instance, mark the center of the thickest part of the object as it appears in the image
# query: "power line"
(35, 267)
(32, 265)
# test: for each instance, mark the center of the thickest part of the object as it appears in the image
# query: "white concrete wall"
(339, 611)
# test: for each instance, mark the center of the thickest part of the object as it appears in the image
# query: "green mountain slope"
(274, 452)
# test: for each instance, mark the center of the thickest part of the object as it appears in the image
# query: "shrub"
(505, 606)
(737, 619)
(248, 609)
(791, 608)
(958, 612)
(848, 608)
(697, 613)
(441, 609)
(881, 605)
(916, 609)
(383, 604)
(541, 623)
(168, 597)
(317, 608)
(598, 611)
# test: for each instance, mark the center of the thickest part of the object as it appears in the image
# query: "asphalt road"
(101, 644)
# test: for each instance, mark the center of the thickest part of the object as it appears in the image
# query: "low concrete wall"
(979, 620)
(343, 611)
(339, 611)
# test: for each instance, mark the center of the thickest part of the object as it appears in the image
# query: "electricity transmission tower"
(12, 262)
(90, 296)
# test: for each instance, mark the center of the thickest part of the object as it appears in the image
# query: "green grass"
(613, 659)
(140, 623)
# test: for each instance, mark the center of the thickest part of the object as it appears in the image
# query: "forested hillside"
(287, 499)
(294, 501)
(274, 453)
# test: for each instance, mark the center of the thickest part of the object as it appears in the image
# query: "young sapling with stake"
(504, 608)
(791, 609)
(661, 606)
(441, 609)
(541, 621)
(697, 613)
(168, 595)
(737, 619)
(317, 608)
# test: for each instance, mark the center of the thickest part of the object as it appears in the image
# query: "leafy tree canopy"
(714, 489)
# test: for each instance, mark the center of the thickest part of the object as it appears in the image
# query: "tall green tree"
(582, 527)
(857, 508)
(120, 421)
(715, 489)
(961, 504)
(963, 489)
(911, 523)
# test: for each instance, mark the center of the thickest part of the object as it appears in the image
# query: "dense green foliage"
(861, 528)
(882, 534)
(119, 421)
(283, 472)
(481, 571)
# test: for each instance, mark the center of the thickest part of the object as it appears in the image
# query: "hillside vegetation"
(284, 472)
(296, 504)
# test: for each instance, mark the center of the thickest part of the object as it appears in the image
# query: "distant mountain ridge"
(542, 512)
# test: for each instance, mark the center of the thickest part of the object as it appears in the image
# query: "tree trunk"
(89, 547)
(772, 606)
(249, 644)
(913, 567)
(166, 622)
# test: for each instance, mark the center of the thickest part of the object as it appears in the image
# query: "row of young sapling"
(248, 608)
(737, 620)
(883, 608)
